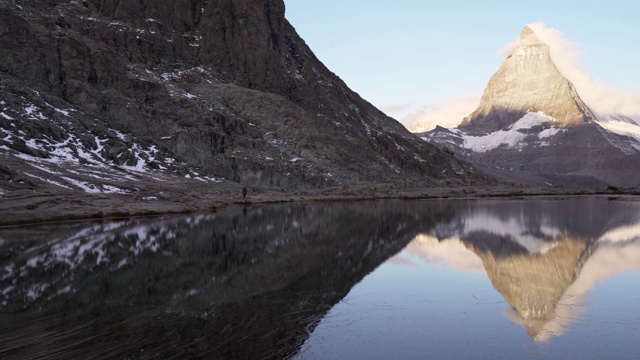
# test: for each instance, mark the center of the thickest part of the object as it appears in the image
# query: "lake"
(388, 279)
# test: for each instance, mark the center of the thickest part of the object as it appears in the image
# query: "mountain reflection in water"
(258, 282)
(543, 257)
(241, 283)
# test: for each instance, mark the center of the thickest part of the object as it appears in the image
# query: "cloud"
(608, 261)
(448, 253)
(603, 99)
(397, 108)
(447, 113)
(402, 261)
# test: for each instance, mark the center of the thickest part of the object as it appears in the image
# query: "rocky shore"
(24, 207)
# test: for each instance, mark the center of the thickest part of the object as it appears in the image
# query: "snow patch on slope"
(625, 128)
(536, 238)
(512, 136)
(548, 133)
(112, 245)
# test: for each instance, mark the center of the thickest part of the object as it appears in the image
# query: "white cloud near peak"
(603, 99)
(446, 113)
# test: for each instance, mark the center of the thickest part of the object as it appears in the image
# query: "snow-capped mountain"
(532, 125)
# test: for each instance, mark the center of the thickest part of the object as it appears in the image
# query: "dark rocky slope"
(118, 96)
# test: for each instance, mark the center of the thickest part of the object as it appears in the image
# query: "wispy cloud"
(600, 97)
(448, 253)
(395, 109)
(447, 113)
(608, 261)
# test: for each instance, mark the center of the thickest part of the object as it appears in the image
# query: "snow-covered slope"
(46, 145)
(514, 135)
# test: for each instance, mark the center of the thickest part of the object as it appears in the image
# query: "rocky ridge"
(532, 126)
(117, 97)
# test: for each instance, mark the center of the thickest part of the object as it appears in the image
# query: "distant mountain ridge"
(532, 126)
(113, 97)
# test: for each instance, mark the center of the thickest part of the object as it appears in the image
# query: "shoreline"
(32, 209)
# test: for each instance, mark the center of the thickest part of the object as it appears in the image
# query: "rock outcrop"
(97, 96)
(532, 126)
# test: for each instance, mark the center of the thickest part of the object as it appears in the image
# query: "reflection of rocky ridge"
(532, 225)
(232, 285)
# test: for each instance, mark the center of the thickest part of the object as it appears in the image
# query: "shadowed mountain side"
(584, 155)
(225, 286)
(217, 92)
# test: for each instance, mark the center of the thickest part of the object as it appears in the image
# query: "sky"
(417, 58)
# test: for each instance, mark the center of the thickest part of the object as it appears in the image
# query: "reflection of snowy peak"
(531, 121)
(542, 260)
(534, 238)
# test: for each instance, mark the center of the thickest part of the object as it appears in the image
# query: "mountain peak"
(527, 81)
(531, 126)
(529, 38)
(526, 32)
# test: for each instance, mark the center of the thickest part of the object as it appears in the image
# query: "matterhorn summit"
(532, 126)
(527, 81)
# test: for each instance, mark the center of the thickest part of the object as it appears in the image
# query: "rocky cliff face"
(532, 126)
(97, 96)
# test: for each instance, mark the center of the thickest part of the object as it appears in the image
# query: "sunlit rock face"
(533, 127)
(527, 81)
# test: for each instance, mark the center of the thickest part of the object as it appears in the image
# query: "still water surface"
(365, 280)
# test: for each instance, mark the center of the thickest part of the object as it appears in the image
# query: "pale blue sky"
(401, 51)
